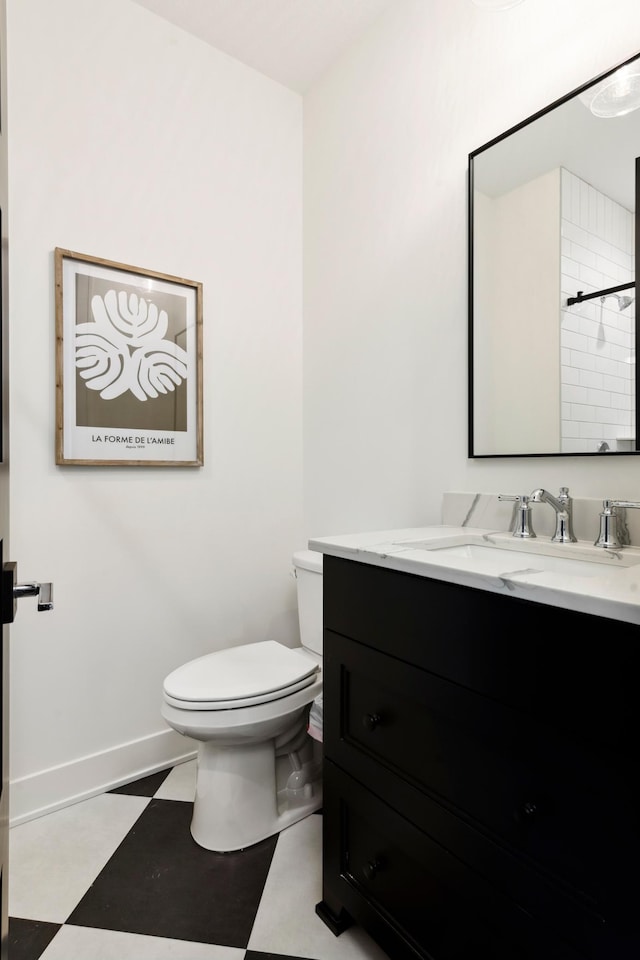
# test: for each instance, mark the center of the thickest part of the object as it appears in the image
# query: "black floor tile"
(145, 787)
(28, 939)
(159, 882)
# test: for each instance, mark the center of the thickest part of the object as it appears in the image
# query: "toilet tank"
(308, 570)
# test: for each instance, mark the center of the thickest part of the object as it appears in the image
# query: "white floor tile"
(286, 922)
(82, 943)
(180, 784)
(54, 860)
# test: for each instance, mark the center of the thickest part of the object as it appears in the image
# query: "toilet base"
(248, 792)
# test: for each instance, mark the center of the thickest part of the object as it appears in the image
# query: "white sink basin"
(510, 559)
(535, 556)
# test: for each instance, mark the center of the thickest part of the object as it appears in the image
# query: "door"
(10, 590)
(4, 489)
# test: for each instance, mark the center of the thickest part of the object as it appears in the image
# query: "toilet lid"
(240, 676)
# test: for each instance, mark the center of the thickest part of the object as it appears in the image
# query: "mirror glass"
(552, 239)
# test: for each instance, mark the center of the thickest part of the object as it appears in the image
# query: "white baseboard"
(48, 790)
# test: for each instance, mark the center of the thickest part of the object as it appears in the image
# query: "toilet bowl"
(258, 770)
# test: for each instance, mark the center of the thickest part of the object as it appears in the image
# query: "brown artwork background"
(167, 412)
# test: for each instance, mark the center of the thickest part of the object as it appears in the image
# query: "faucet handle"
(522, 516)
(608, 536)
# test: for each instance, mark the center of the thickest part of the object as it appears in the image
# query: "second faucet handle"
(522, 519)
(608, 536)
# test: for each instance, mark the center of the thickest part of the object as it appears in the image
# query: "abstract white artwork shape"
(124, 348)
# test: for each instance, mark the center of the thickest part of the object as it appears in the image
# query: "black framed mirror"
(552, 289)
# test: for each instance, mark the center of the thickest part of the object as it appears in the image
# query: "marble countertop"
(606, 583)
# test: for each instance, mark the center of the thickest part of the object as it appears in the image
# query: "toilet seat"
(240, 677)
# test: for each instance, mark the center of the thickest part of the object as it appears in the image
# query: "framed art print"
(128, 365)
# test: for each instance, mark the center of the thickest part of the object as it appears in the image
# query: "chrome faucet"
(522, 516)
(563, 506)
(612, 536)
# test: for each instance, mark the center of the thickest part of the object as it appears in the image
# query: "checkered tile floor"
(118, 877)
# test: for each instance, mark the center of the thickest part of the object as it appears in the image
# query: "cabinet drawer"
(530, 788)
(545, 661)
(437, 906)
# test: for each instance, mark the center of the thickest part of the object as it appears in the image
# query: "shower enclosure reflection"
(597, 330)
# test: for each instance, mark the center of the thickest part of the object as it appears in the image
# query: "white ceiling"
(291, 41)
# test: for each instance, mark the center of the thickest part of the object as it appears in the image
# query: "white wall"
(130, 140)
(516, 309)
(387, 137)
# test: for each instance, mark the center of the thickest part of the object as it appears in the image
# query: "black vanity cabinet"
(480, 752)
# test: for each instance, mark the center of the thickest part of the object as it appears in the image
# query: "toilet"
(258, 768)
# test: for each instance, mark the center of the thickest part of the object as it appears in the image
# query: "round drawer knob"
(371, 720)
(525, 813)
(372, 868)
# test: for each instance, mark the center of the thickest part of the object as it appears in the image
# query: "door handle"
(11, 591)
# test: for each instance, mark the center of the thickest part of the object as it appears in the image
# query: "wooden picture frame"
(128, 365)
